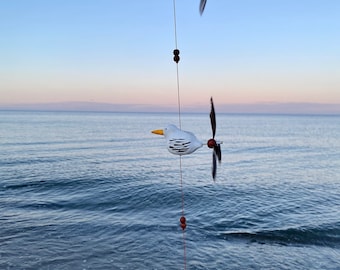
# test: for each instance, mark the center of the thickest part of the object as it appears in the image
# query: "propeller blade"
(218, 152)
(214, 166)
(202, 6)
(213, 118)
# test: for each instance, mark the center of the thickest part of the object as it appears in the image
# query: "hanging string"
(183, 219)
(176, 59)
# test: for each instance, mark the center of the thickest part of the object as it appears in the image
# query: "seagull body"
(179, 142)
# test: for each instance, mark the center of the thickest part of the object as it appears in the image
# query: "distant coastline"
(256, 108)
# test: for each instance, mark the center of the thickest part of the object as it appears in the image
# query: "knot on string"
(176, 56)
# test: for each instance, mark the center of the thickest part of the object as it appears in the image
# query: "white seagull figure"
(179, 142)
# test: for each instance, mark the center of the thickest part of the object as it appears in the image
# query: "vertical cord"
(183, 223)
(178, 100)
(182, 193)
(177, 73)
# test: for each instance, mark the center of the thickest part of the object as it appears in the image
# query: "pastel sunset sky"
(240, 52)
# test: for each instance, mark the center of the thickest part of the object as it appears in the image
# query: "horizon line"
(258, 107)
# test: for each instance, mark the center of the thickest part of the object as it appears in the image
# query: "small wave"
(327, 235)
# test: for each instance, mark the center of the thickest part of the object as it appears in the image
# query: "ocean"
(90, 190)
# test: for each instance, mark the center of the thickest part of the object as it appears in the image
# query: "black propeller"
(217, 154)
(202, 6)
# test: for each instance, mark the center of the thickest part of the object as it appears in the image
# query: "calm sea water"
(99, 191)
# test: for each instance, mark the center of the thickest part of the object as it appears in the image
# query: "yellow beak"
(158, 131)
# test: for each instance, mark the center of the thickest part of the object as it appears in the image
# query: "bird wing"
(179, 146)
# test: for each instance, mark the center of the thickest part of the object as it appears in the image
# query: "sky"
(120, 52)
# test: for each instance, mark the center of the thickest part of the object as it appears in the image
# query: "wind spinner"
(181, 142)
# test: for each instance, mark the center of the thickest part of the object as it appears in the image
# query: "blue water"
(99, 191)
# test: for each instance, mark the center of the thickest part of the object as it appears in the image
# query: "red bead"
(211, 143)
(183, 222)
